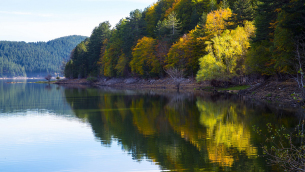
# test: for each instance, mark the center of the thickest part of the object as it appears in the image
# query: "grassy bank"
(44, 82)
(235, 88)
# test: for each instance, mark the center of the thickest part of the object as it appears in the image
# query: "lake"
(50, 128)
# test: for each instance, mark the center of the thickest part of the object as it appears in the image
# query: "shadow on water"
(180, 131)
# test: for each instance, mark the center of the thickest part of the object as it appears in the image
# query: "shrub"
(92, 79)
(48, 77)
(284, 148)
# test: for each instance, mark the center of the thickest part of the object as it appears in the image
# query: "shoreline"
(136, 83)
(270, 91)
(21, 78)
(26, 78)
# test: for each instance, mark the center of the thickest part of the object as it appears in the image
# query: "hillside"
(35, 58)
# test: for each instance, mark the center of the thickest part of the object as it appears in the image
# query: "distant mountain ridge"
(35, 58)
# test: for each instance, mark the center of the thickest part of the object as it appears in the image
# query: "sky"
(44, 20)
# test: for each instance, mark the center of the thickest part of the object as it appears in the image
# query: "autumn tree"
(184, 54)
(226, 54)
(216, 21)
(144, 61)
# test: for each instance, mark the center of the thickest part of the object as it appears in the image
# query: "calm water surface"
(51, 128)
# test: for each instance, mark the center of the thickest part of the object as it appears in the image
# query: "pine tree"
(224, 4)
(174, 25)
(212, 5)
(161, 29)
(199, 31)
(266, 16)
(242, 11)
(295, 20)
(99, 34)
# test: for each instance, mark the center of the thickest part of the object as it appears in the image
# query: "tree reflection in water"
(176, 131)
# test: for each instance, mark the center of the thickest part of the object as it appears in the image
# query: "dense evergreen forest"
(39, 58)
(206, 39)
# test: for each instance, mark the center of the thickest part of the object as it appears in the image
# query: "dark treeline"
(21, 59)
(208, 39)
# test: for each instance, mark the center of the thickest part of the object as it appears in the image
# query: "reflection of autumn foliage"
(144, 119)
(225, 130)
(178, 132)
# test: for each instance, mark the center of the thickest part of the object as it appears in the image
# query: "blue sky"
(43, 20)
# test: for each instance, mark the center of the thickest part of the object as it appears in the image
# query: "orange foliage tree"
(216, 21)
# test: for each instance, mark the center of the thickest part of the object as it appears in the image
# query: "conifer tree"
(99, 34)
(161, 29)
(174, 25)
(212, 5)
(224, 4)
(242, 11)
(199, 31)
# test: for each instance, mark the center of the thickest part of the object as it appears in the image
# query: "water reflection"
(226, 131)
(23, 97)
(177, 131)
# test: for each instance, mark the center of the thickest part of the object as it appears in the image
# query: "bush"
(92, 79)
(58, 78)
(283, 148)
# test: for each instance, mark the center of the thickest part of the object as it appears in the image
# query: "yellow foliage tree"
(226, 54)
(121, 65)
(144, 61)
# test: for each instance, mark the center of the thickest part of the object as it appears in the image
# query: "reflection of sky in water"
(44, 142)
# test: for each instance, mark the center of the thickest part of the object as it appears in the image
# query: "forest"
(205, 39)
(30, 59)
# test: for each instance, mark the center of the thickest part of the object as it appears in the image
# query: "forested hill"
(208, 39)
(35, 58)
